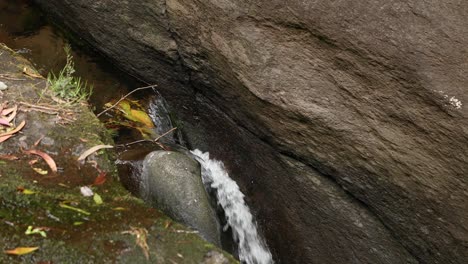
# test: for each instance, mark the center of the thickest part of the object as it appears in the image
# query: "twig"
(155, 141)
(39, 106)
(169, 131)
(120, 100)
(7, 77)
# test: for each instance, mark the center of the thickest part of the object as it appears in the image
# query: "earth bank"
(77, 228)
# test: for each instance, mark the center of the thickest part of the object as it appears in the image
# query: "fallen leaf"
(28, 192)
(24, 191)
(30, 72)
(9, 133)
(9, 157)
(77, 223)
(4, 138)
(86, 191)
(11, 112)
(142, 117)
(46, 158)
(97, 199)
(66, 206)
(21, 250)
(40, 171)
(8, 111)
(4, 122)
(119, 209)
(100, 179)
(37, 230)
(92, 150)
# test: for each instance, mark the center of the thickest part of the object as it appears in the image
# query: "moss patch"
(99, 233)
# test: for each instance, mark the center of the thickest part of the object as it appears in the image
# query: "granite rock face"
(366, 98)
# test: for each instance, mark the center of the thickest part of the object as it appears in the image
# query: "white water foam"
(252, 249)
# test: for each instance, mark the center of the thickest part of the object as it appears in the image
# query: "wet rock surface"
(366, 98)
(78, 230)
(171, 181)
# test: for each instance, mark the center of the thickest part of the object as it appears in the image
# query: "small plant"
(67, 87)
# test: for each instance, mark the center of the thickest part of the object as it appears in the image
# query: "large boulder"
(347, 117)
(171, 181)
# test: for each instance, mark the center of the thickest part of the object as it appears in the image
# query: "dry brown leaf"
(9, 134)
(8, 157)
(11, 112)
(46, 158)
(30, 72)
(92, 150)
(4, 138)
(5, 112)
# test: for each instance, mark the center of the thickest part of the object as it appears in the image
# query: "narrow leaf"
(40, 171)
(21, 250)
(46, 158)
(8, 157)
(4, 122)
(66, 206)
(4, 138)
(18, 128)
(8, 111)
(92, 150)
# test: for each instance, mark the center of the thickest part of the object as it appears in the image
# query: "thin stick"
(114, 105)
(39, 106)
(147, 140)
(5, 76)
(169, 131)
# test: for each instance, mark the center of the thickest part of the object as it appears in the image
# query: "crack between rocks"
(272, 145)
(292, 156)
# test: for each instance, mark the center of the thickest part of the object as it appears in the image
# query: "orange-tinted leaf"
(142, 117)
(100, 179)
(5, 135)
(21, 250)
(9, 157)
(4, 122)
(8, 111)
(4, 138)
(45, 156)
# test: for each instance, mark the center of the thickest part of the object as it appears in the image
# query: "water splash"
(252, 249)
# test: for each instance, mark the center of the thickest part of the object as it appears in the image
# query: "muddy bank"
(76, 228)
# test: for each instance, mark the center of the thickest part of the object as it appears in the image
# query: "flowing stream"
(252, 248)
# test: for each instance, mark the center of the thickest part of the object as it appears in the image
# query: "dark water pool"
(26, 30)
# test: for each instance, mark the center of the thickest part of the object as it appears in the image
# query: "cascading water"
(252, 249)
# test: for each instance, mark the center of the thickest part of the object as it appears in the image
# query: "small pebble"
(3, 86)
